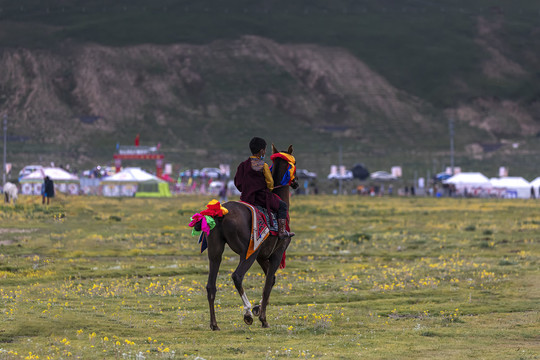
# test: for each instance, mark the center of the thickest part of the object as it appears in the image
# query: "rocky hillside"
(194, 98)
(74, 100)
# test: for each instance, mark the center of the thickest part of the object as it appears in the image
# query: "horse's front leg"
(265, 264)
(273, 265)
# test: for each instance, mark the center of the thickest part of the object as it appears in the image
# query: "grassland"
(373, 278)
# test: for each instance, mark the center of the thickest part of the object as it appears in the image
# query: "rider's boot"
(282, 232)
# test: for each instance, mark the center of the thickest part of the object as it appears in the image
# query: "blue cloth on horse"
(202, 241)
(273, 227)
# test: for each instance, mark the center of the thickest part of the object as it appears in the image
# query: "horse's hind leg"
(238, 278)
(214, 256)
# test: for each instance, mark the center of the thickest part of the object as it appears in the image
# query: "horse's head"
(284, 167)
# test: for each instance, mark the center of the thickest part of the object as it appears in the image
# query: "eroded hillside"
(382, 98)
(172, 93)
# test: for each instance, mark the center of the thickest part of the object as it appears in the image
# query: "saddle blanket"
(259, 229)
(261, 212)
(274, 227)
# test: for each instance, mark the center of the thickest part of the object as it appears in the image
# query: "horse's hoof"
(265, 324)
(214, 327)
(256, 309)
(248, 319)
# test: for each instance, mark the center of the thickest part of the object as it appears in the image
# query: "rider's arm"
(268, 177)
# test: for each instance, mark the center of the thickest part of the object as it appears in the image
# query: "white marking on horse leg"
(247, 305)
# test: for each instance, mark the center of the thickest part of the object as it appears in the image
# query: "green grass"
(375, 278)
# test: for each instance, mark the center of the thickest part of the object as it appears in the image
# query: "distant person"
(533, 195)
(47, 190)
(223, 193)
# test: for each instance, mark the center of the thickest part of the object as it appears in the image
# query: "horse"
(10, 192)
(234, 230)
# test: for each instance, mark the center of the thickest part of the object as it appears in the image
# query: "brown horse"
(234, 230)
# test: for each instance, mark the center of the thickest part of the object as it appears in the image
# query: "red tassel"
(282, 263)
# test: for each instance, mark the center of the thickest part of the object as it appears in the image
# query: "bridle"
(290, 174)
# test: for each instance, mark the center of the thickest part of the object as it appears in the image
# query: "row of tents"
(128, 182)
(478, 185)
(139, 183)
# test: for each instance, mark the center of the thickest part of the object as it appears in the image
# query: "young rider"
(255, 182)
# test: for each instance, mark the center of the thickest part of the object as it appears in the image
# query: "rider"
(254, 180)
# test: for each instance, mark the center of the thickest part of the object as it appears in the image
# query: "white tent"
(469, 179)
(536, 185)
(131, 174)
(536, 182)
(512, 187)
(470, 183)
(127, 181)
(56, 174)
(63, 181)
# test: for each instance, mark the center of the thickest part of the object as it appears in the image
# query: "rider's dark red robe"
(253, 187)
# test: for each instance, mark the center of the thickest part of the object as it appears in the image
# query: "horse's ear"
(274, 150)
(290, 150)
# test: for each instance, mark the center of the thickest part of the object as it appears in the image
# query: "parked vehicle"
(211, 172)
(348, 176)
(382, 175)
(305, 174)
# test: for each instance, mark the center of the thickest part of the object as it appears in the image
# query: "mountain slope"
(191, 97)
(381, 80)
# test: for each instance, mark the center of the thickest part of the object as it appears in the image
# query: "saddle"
(272, 225)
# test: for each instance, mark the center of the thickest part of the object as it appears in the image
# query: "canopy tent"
(512, 187)
(130, 174)
(134, 182)
(153, 190)
(536, 182)
(469, 183)
(468, 179)
(63, 181)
